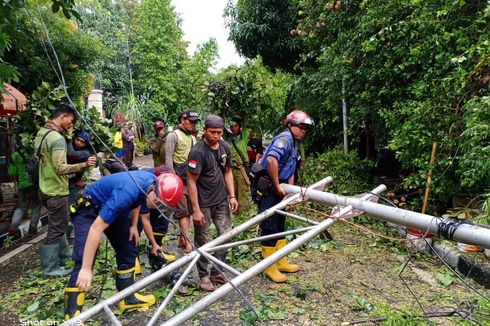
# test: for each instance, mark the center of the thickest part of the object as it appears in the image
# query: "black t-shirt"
(210, 165)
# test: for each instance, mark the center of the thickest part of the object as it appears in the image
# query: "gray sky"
(203, 19)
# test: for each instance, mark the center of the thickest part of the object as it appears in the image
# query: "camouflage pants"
(220, 215)
(242, 191)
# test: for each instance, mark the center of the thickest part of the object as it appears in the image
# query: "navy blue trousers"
(158, 224)
(117, 233)
(274, 223)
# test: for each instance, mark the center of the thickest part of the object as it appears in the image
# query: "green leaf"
(444, 279)
(248, 317)
(278, 315)
(298, 311)
(33, 307)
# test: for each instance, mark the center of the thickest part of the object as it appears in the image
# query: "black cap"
(237, 119)
(214, 121)
(190, 115)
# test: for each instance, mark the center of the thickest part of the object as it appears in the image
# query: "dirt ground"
(353, 277)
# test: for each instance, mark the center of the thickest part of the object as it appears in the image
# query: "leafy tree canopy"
(10, 9)
(413, 72)
(251, 92)
(262, 28)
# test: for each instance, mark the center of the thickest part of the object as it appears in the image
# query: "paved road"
(143, 161)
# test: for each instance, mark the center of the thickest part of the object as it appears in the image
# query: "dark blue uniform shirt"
(284, 149)
(117, 194)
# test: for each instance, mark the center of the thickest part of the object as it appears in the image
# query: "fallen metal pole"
(111, 315)
(186, 259)
(75, 321)
(172, 292)
(265, 237)
(259, 267)
(297, 217)
(220, 263)
(466, 233)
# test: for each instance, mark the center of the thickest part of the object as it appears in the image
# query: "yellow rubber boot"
(74, 300)
(136, 301)
(160, 239)
(168, 256)
(272, 272)
(283, 265)
(137, 266)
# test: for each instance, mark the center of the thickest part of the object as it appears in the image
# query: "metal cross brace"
(190, 258)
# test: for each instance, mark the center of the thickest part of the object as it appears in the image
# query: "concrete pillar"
(95, 99)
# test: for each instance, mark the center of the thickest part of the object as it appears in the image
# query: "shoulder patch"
(281, 142)
(193, 164)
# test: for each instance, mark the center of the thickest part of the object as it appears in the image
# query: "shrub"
(350, 174)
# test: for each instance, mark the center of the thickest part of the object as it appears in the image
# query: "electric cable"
(450, 230)
(62, 81)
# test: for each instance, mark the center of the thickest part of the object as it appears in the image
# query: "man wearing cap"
(210, 181)
(238, 139)
(177, 147)
(77, 152)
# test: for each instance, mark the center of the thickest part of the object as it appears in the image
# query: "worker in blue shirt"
(112, 206)
(159, 226)
(280, 161)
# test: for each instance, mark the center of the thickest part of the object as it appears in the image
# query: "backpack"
(261, 183)
(32, 164)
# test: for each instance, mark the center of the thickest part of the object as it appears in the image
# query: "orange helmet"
(158, 125)
(169, 188)
(298, 117)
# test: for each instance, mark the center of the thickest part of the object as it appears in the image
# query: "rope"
(446, 228)
(363, 228)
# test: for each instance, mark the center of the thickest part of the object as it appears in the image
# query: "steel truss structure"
(466, 233)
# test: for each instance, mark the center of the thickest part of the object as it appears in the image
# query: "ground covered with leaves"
(357, 276)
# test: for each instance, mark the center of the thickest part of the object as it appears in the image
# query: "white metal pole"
(259, 267)
(265, 237)
(186, 259)
(465, 233)
(344, 119)
(172, 292)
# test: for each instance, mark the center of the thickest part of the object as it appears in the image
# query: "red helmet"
(169, 188)
(158, 125)
(298, 117)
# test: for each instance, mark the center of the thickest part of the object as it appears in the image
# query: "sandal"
(218, 278)
(205, 284)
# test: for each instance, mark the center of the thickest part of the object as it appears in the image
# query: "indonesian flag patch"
(193, 164)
